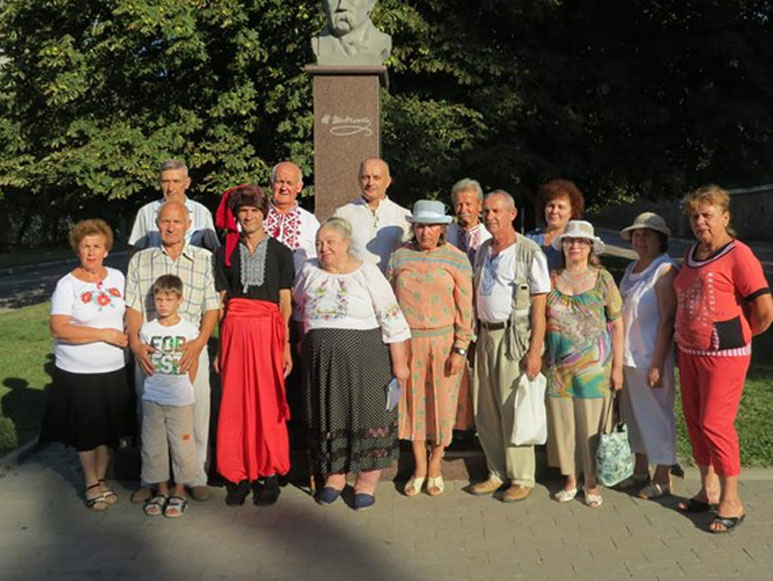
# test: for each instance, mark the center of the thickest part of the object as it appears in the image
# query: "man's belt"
(494, 326)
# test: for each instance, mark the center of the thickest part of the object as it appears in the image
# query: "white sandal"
(592, 500)
(413, 486)
(565, 495)
(436, 483)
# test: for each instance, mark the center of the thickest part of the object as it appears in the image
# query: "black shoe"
(266, 491)
(236, 493)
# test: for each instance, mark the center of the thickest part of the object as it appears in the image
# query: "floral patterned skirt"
(346, 373)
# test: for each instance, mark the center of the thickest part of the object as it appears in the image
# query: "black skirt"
(86, 410)
(346, 373)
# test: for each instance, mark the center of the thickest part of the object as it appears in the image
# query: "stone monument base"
(347, 129)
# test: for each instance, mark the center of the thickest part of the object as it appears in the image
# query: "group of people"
(384, 323)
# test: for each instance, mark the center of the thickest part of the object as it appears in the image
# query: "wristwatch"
(460, 351)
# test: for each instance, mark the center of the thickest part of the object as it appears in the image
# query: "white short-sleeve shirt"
(168, 386)
(494, 295)
(90, 304)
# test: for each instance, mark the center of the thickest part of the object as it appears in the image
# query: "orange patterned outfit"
(434, 290)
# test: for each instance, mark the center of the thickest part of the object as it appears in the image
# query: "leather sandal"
(694, 505)
(729, 522)
(155, 505)
(95, 502)
(654, 490)
(175, 507)
(110, 496)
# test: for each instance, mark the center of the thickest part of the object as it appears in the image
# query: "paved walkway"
(46, 532)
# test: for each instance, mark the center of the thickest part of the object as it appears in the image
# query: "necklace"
(576, 279)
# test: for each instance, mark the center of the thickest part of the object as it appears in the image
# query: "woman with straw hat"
(649, 306)
(585, 350)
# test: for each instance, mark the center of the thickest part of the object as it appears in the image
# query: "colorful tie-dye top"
(578, 339)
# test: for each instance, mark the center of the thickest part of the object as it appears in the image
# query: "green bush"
(8, 440)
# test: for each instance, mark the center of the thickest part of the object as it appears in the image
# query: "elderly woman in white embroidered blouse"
(89, 407)
(354, 344)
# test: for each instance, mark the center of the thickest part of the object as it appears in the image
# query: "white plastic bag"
(530, 424)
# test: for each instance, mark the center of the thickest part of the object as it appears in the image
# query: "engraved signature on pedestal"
(345, 126)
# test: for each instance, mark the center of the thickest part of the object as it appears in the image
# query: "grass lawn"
(26, 365)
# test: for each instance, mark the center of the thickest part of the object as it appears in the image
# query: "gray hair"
(340, 225)
(173, 164)
(295, 165)
(464, 185)
(508, 198)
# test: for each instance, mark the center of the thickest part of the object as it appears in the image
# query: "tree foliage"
(627, 98)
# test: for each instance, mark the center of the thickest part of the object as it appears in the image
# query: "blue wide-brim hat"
(429, 212)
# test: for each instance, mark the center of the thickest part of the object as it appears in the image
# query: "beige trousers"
(574, 425)
(495, 381)
(166, 428)
(201, 410)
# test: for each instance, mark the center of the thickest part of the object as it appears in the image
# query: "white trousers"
(649, 414)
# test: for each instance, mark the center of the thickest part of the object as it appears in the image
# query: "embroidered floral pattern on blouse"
(388, 313)
(100, 297)
(286, 228)
(317, 310)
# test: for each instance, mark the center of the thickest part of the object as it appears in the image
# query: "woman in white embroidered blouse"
(89, 404)
(355, 342)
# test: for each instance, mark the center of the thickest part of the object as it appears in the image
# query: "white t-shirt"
(90, 304)
(167, 386)
(359, 300)
(494, 295)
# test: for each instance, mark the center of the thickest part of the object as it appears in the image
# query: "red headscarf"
(225, 220)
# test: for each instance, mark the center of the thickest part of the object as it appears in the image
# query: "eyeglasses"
(580, 241)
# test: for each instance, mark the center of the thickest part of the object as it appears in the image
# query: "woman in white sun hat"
(649, 307)
(584, 341)
(432, 280)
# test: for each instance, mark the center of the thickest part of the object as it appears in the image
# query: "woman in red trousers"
(723, 300)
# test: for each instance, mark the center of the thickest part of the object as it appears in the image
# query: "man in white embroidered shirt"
(174, 182)
(468, 232)
(286, 221)
(379, 226)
